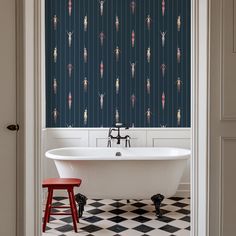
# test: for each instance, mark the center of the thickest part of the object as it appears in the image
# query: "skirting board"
(183, 191)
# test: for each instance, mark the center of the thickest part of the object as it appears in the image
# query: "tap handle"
(109, 142)
(118, 125)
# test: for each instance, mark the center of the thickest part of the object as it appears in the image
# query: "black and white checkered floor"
(117, 217)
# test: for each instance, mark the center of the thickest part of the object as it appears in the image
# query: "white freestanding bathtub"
(122, 173)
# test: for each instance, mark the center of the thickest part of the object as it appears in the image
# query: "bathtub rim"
(51, 154)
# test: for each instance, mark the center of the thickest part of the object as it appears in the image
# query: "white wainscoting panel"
(67, 137)
(174, 137)
(97, 137)
(169, 138)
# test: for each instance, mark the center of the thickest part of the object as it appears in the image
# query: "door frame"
(19, 119)
(30, 64)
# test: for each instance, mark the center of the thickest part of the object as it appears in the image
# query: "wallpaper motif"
(113, 61)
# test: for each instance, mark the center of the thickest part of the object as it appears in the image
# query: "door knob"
(13, 127)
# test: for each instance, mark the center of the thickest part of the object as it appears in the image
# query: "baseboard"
(183, 190)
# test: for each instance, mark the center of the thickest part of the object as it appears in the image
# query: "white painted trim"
(194, 111)
(20, 154)
(30, 184)
(200, 116)
(38, 105)
(184, 190)
(43, 66)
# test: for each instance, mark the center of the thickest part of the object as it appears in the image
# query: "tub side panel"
(124, 179)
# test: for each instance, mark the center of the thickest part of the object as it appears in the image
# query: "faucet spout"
(127, 141)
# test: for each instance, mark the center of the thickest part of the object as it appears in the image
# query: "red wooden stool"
(66, 184)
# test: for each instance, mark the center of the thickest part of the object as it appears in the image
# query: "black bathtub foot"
(157, 200)
(128, 201)
(81, 201)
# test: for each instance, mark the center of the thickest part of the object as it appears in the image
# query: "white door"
(7, 117)
(222, 118)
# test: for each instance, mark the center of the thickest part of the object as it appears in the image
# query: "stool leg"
(74, 202)
(46, 210)
(73, 213)
(50, 204)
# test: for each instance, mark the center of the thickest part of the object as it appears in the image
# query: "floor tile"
(91, 228)
(141, 219)
(117, 211)
(182, 233)
(92, 219)
(180, 204)
(117, 228)
(144, 228)
(139, 211)
(117, 219)
(179, 224)
(97, 204)
(170, 228)
(95, 211)
(64, 228)
(186, 218)
(109, 217)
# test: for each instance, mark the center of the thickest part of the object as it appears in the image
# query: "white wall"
(97, 137)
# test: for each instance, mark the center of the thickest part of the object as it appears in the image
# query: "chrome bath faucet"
(118, 137)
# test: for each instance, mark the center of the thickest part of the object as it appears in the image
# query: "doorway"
(196, 182)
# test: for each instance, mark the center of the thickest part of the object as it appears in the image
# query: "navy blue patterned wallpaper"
(113, 61)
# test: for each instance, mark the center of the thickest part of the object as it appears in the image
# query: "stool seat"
(62, 184)
(59, 182)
